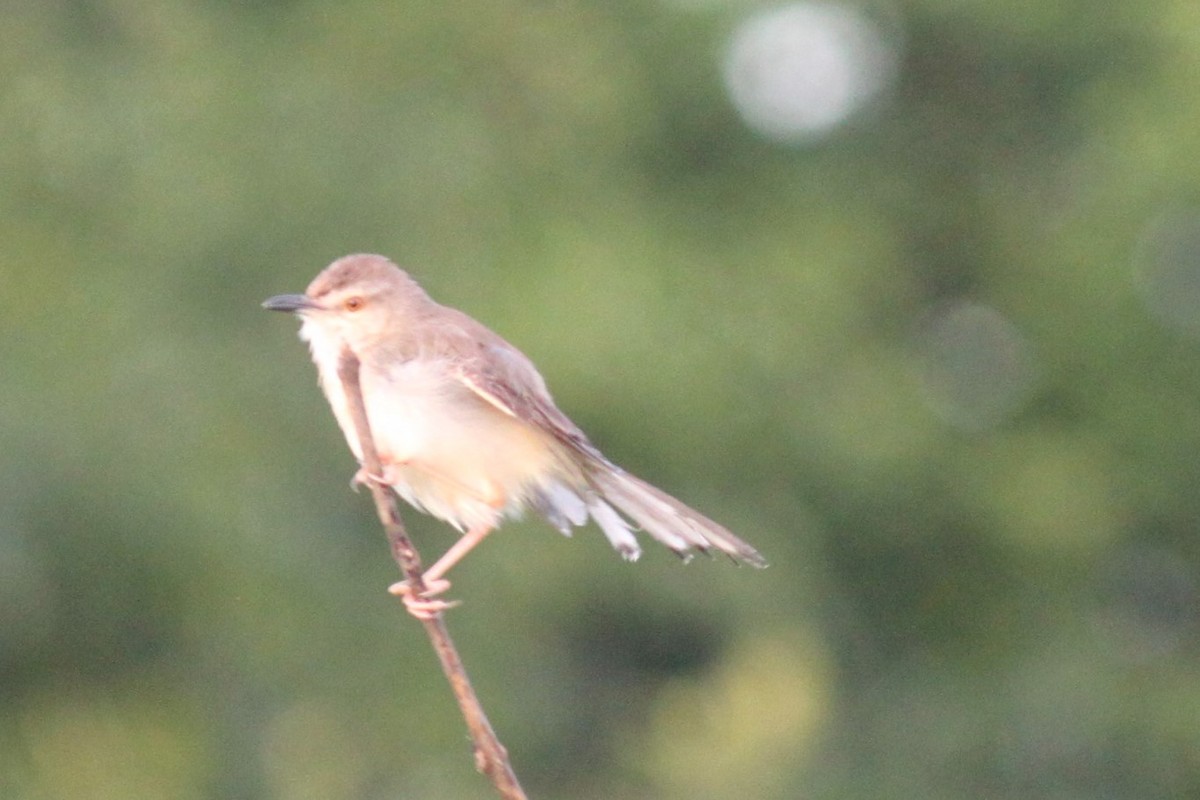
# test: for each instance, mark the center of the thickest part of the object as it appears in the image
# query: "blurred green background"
(905, 294)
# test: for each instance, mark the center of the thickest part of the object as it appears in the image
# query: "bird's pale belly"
(445, 450)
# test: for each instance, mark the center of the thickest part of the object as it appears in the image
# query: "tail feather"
(565, 509)
(616, 529)
(677, 526)
(561, 506)
(680, 528)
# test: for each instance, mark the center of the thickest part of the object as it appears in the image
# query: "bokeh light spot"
(798, 72)
(976, 367)
(751, 723)
(1167, 270)
(1147, 604)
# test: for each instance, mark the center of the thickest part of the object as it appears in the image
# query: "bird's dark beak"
(290, 302)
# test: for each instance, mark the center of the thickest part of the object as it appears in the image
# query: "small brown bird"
(465, 427)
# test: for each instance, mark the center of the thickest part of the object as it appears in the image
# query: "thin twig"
(490, 756)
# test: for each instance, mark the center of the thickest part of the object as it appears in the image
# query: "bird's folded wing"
(504, 378)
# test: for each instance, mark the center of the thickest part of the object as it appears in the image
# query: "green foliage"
(982, 534)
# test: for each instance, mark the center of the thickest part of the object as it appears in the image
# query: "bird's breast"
(413, 405)
(448, 450)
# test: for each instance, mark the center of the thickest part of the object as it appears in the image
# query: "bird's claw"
(364, 478)
(424, 606)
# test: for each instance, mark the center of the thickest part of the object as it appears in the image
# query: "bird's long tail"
(677, 526)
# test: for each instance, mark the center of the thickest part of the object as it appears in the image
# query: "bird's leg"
(425, 606)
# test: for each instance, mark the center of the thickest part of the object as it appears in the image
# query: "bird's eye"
(354, 303)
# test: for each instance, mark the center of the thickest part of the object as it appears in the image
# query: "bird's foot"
(424, 606)
(391, 474)
(364, 478)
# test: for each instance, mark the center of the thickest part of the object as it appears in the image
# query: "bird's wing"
(504, 377)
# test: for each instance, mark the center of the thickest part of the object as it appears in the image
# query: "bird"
(466, 429)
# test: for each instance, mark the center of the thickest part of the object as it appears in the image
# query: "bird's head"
(357, 301)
